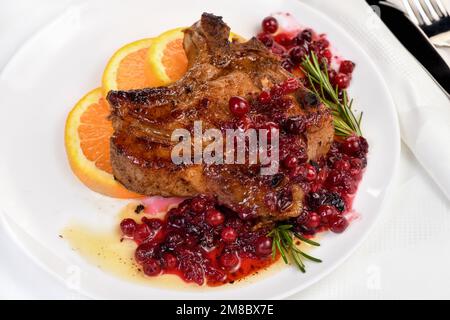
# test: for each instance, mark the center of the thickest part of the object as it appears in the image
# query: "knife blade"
(415, 41)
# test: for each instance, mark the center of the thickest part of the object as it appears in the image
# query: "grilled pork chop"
(218, 69)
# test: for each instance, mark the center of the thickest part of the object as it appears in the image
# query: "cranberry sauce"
(200, 241)
(294, 47)
(203, 242)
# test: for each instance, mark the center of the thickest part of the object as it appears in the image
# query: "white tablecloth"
(405, 256)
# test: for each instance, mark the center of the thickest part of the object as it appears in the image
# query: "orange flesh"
(131, 74)
(175, 59)
(94, 131)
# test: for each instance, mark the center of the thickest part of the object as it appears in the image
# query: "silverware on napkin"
(415, 41)
(432, 17)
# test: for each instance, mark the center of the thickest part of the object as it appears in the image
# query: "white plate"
(39, 194)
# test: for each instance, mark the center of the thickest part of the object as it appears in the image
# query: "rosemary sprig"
(283, 241)
(345, 121)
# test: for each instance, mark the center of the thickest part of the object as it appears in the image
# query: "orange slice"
(87, 135)
(166, 59)
(126, 68)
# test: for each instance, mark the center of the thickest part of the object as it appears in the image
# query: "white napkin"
(423, 109)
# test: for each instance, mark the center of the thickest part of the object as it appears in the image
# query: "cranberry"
(287, 64)
(327, 54)
(144, 252)
(174, 239)
(310, 173)
(290, 162)
(327, 213)
(339, 224)
(141, 233)
(270, 25)
(239, 106)
(128, 226)
(154, 224)
(265, 97)
(306, 35)
(266, 39)
(341, 165)
(190, 241)
(283, 39)
(356, 166)
(152, 267)
(263, 246)
(169, 261)
(214, 217)
(322, 44)
(295, 125)
(350, 186)
(228, 235)
(198, 205)
(313, 220)
(290, 85)
(342, 81)
(229, 261)
(297, 54)
(346, 67)
(351, 145)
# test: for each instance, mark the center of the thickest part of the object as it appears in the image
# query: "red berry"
(290, 85)
(169, 261)
(239, 106)
(342, 81)
(351, 145)
(346, 67)
(297, 54)
(263, 246)
(270, 25)
(214, 218)
(190, 241)
(341, 165)
(322, 44)
(229, 261)
(327, 214)
(266, 39)
(198, 205)
(306, 35)
(144, 252)
(310, 173)
(152, 267)
(327, 54)
(283, 39)
(290, 162)
(313, 220)
(128, 226)
(338, 224)
(265, 97)
(141, 233)
(228, 235)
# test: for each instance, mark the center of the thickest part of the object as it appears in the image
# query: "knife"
(415, 41)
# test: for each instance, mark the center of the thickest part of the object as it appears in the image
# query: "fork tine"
(434, 15)
(413, 15)
(437, 4)
(422, 11)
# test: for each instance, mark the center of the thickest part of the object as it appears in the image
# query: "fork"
(432, 17)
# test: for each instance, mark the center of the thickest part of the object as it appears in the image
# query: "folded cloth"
(423, 108)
